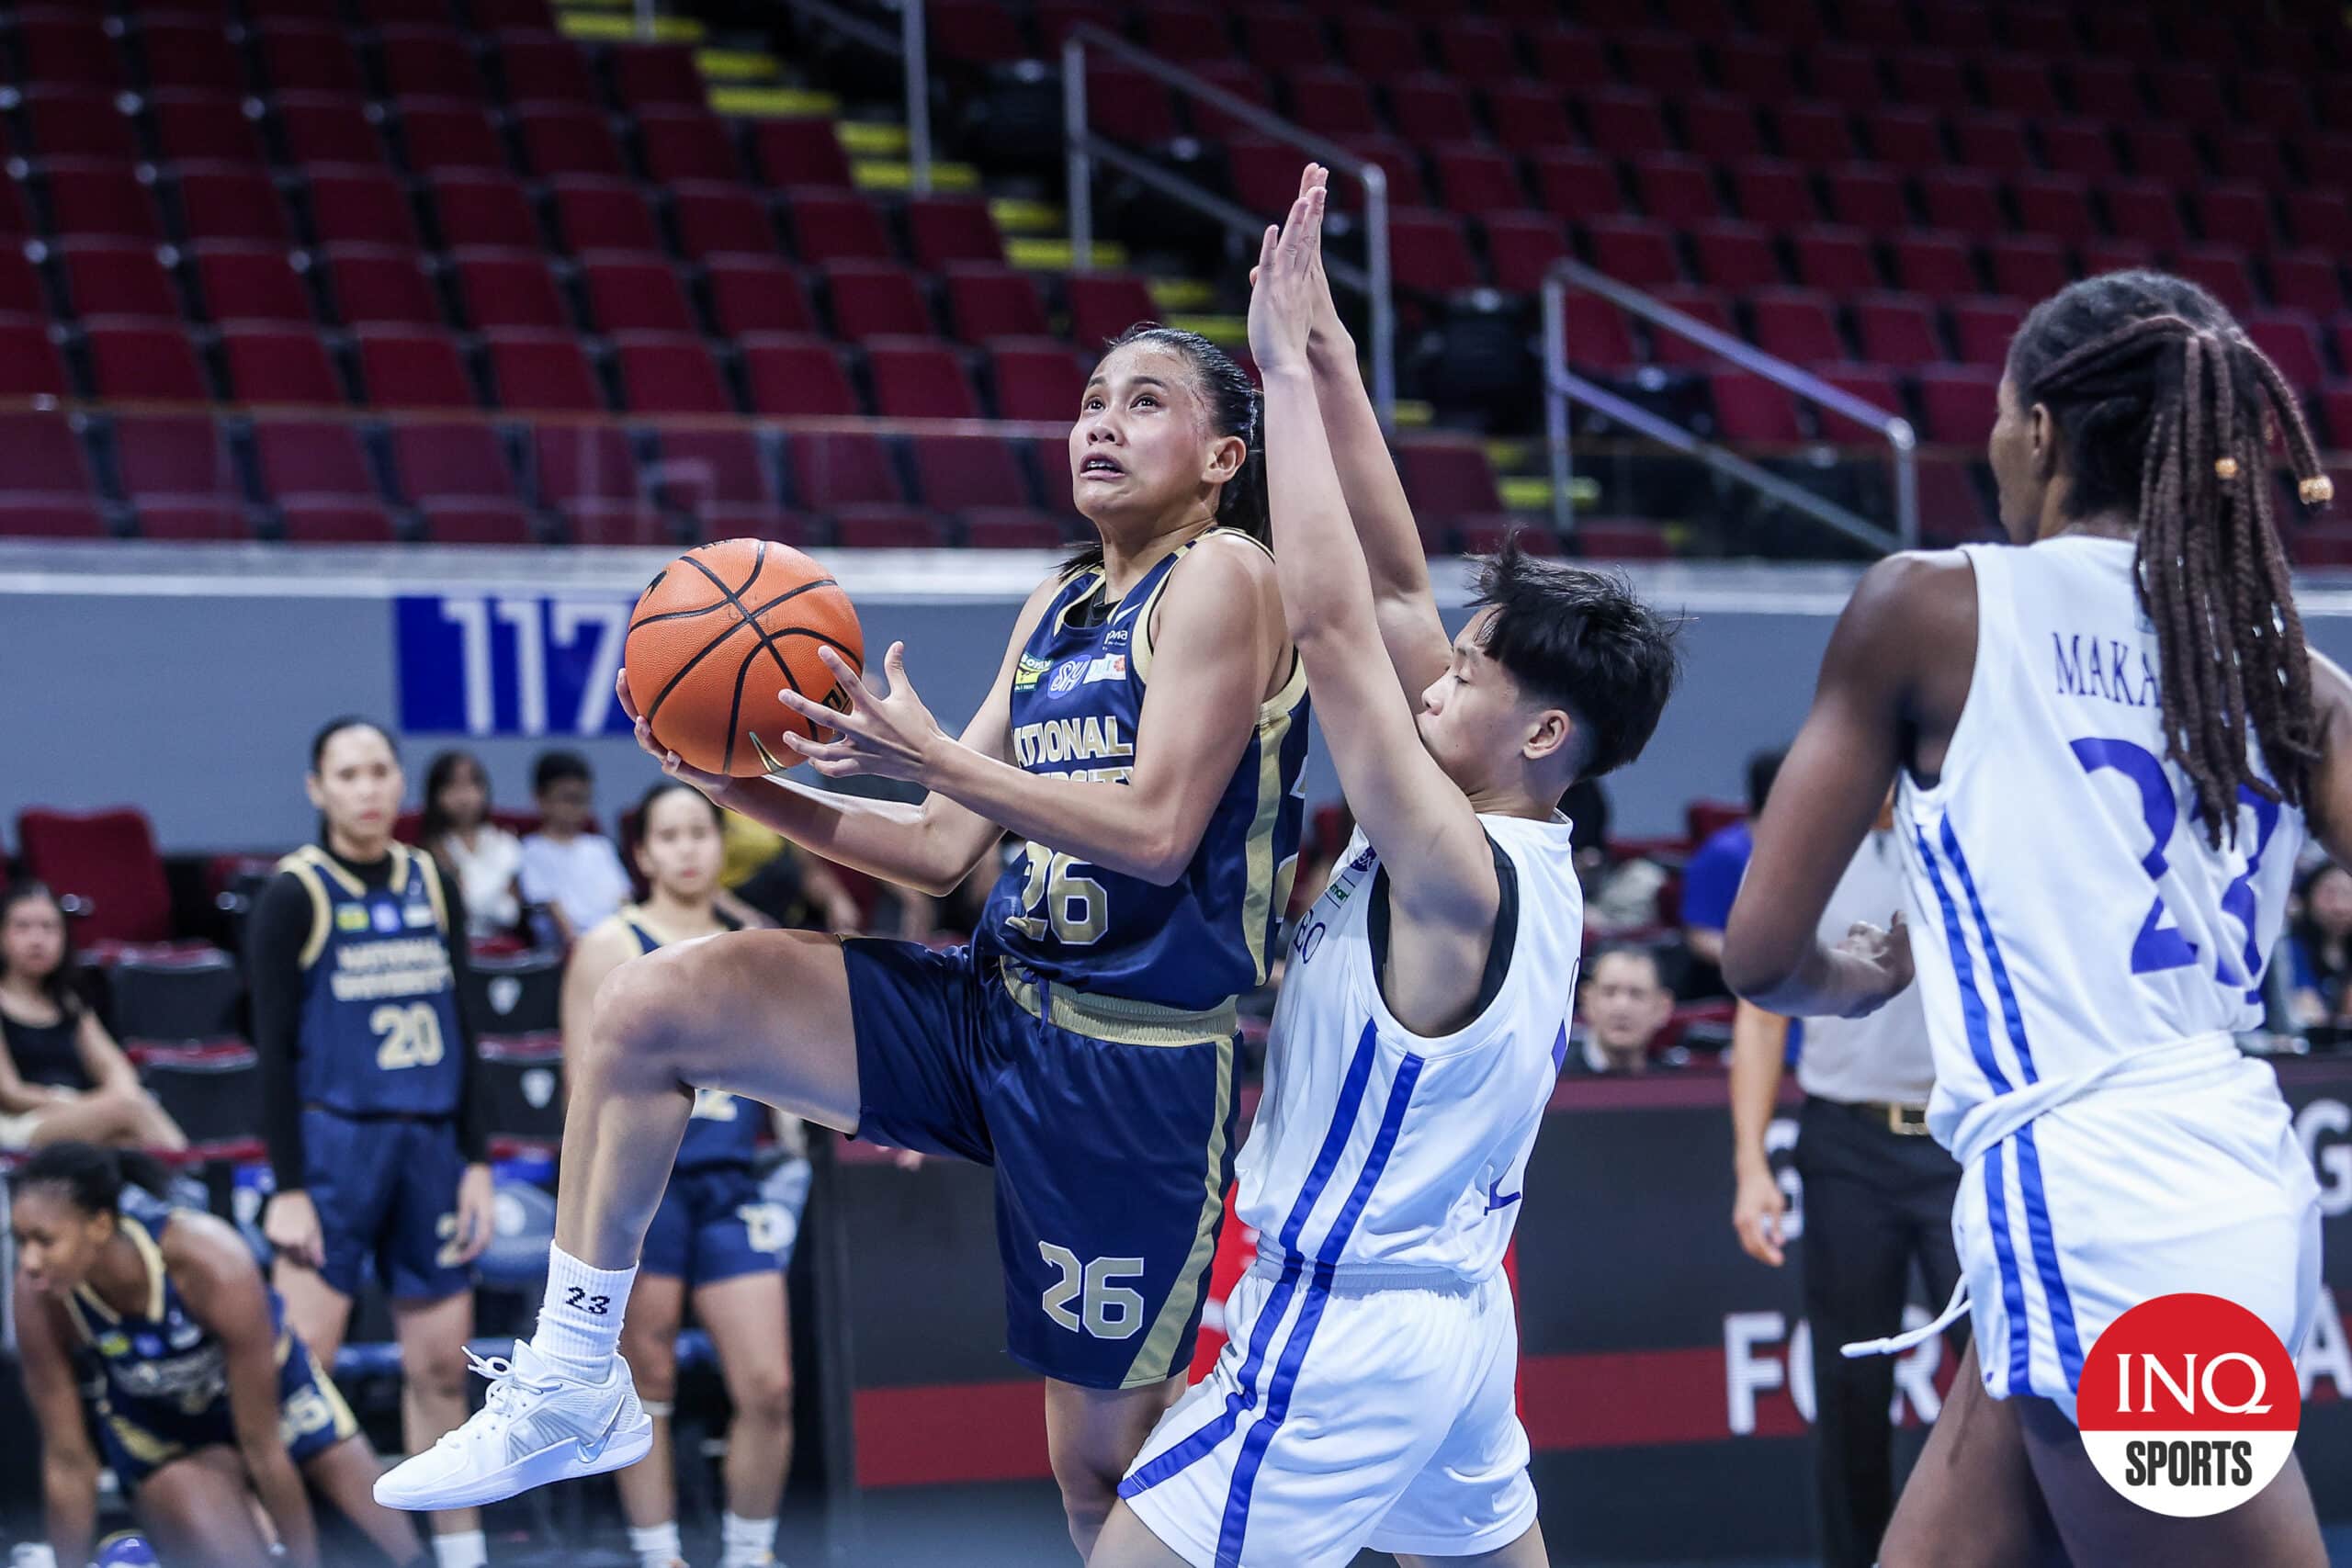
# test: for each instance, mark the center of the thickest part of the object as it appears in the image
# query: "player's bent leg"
(1127, 1542)
(1092, 1435)
(745, 1317)
(1972, 1501)
(315, 1310)
(345, 1474)
(432, 1337)
(649, 1346)
(1527, 1551)
(2277, 1528)
(199, 1512)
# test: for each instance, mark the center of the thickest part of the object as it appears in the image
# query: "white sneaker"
(538, 1426)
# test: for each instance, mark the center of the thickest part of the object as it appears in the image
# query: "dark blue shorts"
(385, 1190)
(715, 1224)
(139, 1436)
(1111, 1158)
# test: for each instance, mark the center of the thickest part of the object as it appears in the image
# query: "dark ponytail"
(2166, 409)
(1234, 408)
(93, 1177)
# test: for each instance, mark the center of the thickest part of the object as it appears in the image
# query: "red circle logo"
(2188, 1405)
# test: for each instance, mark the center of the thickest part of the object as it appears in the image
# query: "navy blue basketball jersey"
(1195, 944)
(723, 1130)
(380, 1003)
(158, 1360)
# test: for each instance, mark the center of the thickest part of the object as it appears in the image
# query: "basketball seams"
(768, 639)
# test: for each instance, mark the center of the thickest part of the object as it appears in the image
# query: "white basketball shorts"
(1341, 1415)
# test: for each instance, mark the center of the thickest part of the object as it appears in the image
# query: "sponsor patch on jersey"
(186, 1335)
(387, 919)
(113, 1344)
(418, 915)
(148, 1346)
(351, 918)
(1066, 676)
(1116, 637)
(1025, 674)
(1109, 667)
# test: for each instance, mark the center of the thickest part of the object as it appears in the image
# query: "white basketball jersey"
(1375, 1146)
(2066, 910)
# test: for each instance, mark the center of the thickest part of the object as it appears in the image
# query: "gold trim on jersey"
(1269, 883)
(305, 871)
(151, 1255)
(1155, 1362)
(1118, 1020)
(346, 1425)
(142, 1445)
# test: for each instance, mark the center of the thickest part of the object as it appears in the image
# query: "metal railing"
(911, 49)
(1084, 148)
(1563, 386)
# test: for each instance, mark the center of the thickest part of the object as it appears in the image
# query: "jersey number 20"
(1055, 897)
(406, 1036)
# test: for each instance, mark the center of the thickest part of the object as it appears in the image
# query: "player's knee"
(763, 1396)
(1088, 1487)
(637, 1011)
(436, 1373)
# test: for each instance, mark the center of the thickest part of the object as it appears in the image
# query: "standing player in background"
(354, 953)
(152, 1327)
(2108, 744)
(1145, 734)
(1367, 1395)
(714, 1234)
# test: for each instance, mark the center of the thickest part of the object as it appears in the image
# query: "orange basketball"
(718, 633)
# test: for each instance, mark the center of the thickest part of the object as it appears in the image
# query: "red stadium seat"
(542, 68)
(1039, 380)
(2163, 152)
(1907, 138)
(428, 63)
(484, 211)
(144, 360)
(1521, 247)
(97, 199)
(1982, 327)
(172, 457)
(2320, 218)
(220, 203)
(2292, 344)
(2277, 102)
(303, 58)
(2144, 210)
(2190, 96)
(887, 528)
(1756, 68)
(42, 461)
(2254, 156)
(1721, 130)
(1815, 133)
(794, 153)
(21, 294)
(109, 860)
(1959, 402)
(952, 229)
(2083, 148)
(1702, 305)
(310, 461)
(249, 283)
(841, 468)
(1993, 142)
(1737, 257)
(1635, 251)
(442, 134)
(577, 463)
(2056, 206)
(647, 74)
(1867, 196)
(413, 368)
(2017, 83)
(107, 277)
(1897, 330)
(871, 299)
(1382, 47)
(1837, 260)
(1429, 251)
(1880, 23)
(1530, 119)
(1748, 408)
(1569, 57)
(985, 301)
(2222, 270)
(1103, 305)
(1332, 101)
(957, 472)
(703, 468)
(374, 284)
(50, 518)
(509, 288)
(1676, 190)
(30, 363)
(79, 122)
(984, 30)
(563, 139)
(1666, 64)
(270, 364)
(2027, 266)
(1128, 105)
(395, 14)
(2237, 215)
(451, 462)
(1603, 539)
(67, 46)
(2115, 256)
(668, 375)
(1598, 335)
(632, 295)
(1964, 201)
(1447, 479)
(992, 529)
(1774, 192)
(1277, 39)
(795, 376)
(1427, 109)
(1798, 325)
(1052, 455)
(192, 54)
(837, 226)
(2306, 281)
(333, 521)
(604, 215)
(1626, 122)
(1927, 263)
(1577, 186)
(681, 144)
(542, 371)
(920, 378)
(478, 523)
(750, 294)
(206, 128)
(327, 129)
(1186, 34)
(721, 219)
(2107, 89)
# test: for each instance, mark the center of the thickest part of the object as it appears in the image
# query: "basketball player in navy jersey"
(2111, 743)
(715, 1236)
(356, 951)
(1366, 1396)
(1145, 734)
(152, 1329)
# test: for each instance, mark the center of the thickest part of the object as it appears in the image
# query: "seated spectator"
(485, 858)
(1623, 1009)
(62, 1078)
(1711, 879)
(2319, 949)
(768, 875)
(576, 874)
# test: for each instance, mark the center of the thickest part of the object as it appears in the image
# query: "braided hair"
(2165, 410)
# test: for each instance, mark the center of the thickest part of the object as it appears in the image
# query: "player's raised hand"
(1328, 333)
(712, 785)
(1281, 300)
(890, 737)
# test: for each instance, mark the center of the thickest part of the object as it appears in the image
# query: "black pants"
(1874, 1200)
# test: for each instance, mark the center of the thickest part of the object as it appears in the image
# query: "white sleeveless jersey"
(2067, 913)
(1376, 1148)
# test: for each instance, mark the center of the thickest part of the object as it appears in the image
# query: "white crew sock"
(579, 1321)
(656, 1545)
(461, 1549)
(746, 1543)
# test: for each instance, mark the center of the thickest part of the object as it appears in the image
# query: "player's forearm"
(69, 1507)
(1327, 585)
(1816, 982)
(894, 839)
(1382, 518)
(1109, 825)
(280, 1486)
(1758, 1041)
